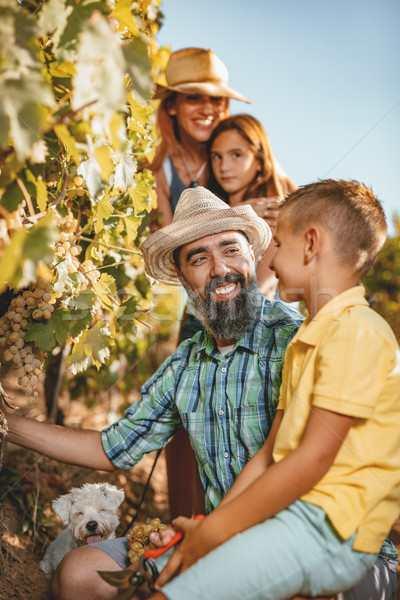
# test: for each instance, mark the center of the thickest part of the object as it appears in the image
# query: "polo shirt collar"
(312, 329)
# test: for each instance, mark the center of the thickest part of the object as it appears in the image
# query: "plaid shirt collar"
(268, 313)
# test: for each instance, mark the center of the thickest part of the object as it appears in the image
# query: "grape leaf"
(80, 311)
(122, 12)
(51, 333)
(124, 172)
(104, 158)
(93, 348)
(12, 257)
(105, 289)
(66, 281)
(132, 225)
(138, 65)
(90, 171)
(104, 212)
(76, 21)
(128, 310)
(99, 70)
(68, 142)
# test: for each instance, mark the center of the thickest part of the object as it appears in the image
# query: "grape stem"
(81, 237)
(26, 195)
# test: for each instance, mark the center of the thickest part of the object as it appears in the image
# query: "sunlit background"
(323, 77)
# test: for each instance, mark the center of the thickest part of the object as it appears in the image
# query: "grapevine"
(74, 202)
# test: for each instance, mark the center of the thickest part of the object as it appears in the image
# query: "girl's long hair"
(267, 182)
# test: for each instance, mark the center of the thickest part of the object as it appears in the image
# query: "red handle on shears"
(177, 537)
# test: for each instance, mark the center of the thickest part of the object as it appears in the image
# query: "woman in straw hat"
(192, 103)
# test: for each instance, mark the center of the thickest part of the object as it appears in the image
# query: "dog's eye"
(79, 514)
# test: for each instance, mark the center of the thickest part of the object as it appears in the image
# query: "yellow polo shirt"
(347, 360)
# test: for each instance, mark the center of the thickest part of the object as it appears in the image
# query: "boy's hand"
(196, 543)
(162, 538)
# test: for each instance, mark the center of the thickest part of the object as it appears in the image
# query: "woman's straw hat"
(197, 71)
(200, 213)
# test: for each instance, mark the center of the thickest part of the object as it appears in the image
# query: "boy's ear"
(312, 245)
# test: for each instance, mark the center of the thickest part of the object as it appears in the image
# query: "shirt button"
(226, 455)
(221, 412)
(223, 370)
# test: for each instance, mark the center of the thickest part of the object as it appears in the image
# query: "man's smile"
(226, 290)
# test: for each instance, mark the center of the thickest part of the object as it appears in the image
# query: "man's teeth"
(225, 290)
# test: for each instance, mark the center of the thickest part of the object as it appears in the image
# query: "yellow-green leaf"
(132, 224)
(104, 158)
(41, 195)
(104, 212)
(93, 348)
(122, 12)
(116, 126)
(106, 291)
(68, 142)
(12, 257)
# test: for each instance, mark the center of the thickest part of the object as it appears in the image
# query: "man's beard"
(227, 319)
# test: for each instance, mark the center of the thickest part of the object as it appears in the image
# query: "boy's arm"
(276, 488)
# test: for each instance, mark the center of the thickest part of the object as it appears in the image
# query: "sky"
(323, 77)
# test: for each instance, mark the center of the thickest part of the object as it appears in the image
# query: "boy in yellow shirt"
(314, 505)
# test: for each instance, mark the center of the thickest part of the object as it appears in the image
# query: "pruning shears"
(144, 572)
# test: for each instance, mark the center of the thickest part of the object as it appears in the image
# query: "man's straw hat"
(197, 71)
(200, 213)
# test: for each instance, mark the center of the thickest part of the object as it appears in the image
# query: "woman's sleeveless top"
(175, 184)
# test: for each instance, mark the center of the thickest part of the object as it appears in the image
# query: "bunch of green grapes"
(67, 249)
(139, 540)
(27, 360)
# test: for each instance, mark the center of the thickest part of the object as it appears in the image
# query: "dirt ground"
(30, 482)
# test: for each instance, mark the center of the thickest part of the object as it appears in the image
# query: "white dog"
(90, 515)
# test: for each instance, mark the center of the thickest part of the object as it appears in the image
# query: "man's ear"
(252, 252)
(312, 244)
(179, 274)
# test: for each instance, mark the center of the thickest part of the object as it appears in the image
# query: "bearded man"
(222, 385)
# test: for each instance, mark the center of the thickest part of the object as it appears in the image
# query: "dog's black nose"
(91, 525)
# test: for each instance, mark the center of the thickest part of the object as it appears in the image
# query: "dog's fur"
(89, 514)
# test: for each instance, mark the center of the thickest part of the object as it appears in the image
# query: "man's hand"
(197, 542)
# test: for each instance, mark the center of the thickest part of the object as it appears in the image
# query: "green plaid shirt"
(226, 403)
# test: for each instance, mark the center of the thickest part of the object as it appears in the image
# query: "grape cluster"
(67, 249)
(139, 540)
(27, 360)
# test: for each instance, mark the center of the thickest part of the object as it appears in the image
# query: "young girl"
(243, 169)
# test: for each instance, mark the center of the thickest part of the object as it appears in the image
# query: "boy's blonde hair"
(348, 210)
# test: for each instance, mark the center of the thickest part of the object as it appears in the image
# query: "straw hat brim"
(208, 88)
(159, 247)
